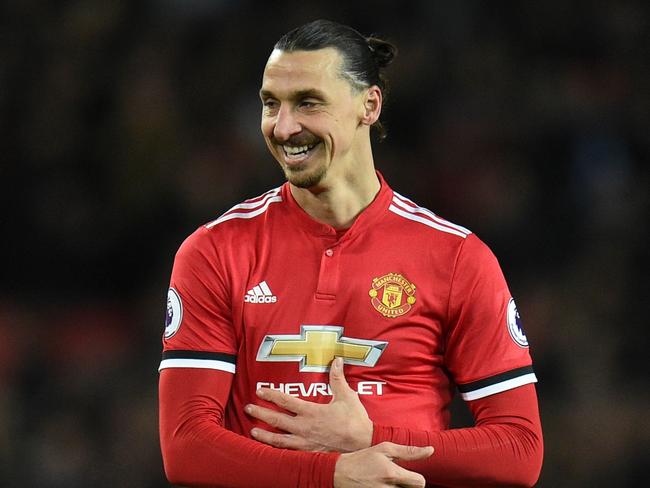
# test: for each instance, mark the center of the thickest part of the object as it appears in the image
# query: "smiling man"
(316, 121)
(311, 116)
(315, 333)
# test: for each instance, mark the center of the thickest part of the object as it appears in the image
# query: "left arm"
(504, 448)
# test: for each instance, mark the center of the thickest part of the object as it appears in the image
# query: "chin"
(303, 178)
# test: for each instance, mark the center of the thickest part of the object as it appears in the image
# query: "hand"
(374, 467)
(341, 425)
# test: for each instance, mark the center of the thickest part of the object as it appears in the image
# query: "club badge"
(392, 295)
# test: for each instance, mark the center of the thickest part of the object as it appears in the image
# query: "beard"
(303, 177)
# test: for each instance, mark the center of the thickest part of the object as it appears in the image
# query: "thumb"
(338, 383)
(405, 453)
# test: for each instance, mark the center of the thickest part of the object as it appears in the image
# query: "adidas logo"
(260, 294)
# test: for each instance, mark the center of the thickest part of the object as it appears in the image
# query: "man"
(315, 334)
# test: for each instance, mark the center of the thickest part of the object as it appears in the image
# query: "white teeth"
(294, 150)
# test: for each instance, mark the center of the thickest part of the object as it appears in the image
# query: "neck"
(339, 202)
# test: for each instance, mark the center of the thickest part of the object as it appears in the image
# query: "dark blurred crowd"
(125, 125)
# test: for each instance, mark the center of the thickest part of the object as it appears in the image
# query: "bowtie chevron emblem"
(316, 347)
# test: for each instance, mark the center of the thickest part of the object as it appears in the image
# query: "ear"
(371, 105)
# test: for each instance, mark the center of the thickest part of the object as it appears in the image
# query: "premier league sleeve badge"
(174, 314)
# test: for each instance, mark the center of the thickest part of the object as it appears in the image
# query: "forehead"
(302, 70)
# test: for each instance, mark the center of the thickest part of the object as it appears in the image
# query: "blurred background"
(127, 124)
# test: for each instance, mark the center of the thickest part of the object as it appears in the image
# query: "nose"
(286, 124)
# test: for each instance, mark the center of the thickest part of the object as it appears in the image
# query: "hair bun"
(382, 51)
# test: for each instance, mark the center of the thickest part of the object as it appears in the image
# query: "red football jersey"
(415, 305)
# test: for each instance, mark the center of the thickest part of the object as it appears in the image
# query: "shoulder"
(424, 221)
(249, 209)
(230, 227)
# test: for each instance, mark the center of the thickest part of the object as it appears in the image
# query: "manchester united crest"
(392, 295)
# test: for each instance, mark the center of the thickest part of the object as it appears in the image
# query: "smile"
(298, 153)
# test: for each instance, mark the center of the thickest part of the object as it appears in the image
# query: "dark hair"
(364, 58)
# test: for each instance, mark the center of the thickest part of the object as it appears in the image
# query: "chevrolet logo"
(317, 346)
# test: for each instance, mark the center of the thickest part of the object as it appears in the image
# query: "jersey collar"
(369, 216)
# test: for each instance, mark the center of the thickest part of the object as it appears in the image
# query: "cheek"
(345, 129)
(267, 127)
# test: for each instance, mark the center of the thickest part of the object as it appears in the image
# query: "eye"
(308, 104)
(270, 105)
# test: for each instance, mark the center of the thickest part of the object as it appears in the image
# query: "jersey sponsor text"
(323, 389)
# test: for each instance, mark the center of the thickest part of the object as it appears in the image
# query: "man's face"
(310, 115)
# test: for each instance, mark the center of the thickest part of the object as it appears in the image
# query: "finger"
(405, 453)
(282, 400)
(408, 479)
(283, 441)
(275, 419)
(338, 383)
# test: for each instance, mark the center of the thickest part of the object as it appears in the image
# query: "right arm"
(199, 451)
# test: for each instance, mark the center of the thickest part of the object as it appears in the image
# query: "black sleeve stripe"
(493, 380)
(214, 356)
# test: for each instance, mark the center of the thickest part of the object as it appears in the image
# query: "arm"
(199, 451)
(504, 448)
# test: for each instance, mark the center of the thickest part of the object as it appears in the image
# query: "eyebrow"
(297, 95)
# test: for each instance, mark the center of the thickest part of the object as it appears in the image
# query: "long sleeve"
(199, 451)
(505, 448)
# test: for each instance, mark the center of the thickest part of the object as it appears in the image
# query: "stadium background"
(124, 125)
